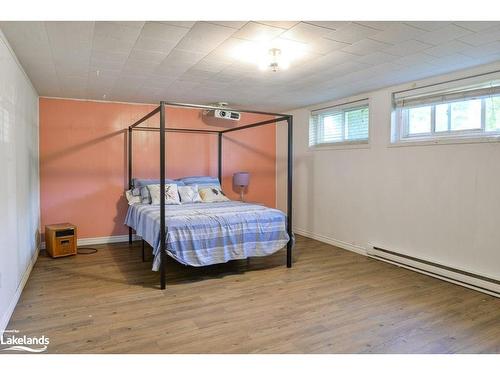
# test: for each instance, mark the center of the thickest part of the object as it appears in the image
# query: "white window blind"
(462, 109)
(346, 123)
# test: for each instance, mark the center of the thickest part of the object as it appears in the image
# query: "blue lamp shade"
(241, 179)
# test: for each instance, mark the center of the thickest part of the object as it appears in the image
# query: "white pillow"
(171, 194)
(212, 194)
(189, 194)
(132, 199)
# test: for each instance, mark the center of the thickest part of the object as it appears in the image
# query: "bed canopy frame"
(162, 130)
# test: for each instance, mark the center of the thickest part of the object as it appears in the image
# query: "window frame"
(402, 135)
(344, 143)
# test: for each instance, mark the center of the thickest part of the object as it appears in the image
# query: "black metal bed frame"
(163, 130)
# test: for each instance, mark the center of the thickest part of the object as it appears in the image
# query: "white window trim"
(399, 125)
(346, 144)
(445, 141)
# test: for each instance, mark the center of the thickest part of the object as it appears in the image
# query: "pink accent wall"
(83, 159)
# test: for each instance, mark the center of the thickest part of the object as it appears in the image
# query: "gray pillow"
(140, 182)
(201, 181)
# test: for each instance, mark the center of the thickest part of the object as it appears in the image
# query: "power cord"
(87, 250)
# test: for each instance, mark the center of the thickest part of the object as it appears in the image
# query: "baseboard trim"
(455, 276)
(332, 241)
(451, 277)
(15, 298)
(102, 240)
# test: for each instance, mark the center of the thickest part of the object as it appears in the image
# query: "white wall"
(439, 202)
(19, 187)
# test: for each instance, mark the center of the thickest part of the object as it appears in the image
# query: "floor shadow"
(128, 259)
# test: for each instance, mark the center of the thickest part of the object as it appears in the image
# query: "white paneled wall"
(19, 186)
(438, 202)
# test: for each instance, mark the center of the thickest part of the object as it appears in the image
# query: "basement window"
(339, 125)
(465, 112)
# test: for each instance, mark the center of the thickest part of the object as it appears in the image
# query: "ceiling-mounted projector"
(224, 114)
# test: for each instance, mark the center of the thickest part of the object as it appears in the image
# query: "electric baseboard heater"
(467, 279)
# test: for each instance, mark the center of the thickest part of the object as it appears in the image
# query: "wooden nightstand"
(60, 239)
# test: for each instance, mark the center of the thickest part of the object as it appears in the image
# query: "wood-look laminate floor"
(331, 301)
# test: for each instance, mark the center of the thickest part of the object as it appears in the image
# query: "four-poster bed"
(162, 129)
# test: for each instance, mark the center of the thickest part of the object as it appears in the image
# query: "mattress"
(200, 234)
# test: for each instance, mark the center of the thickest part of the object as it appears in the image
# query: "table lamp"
(241, 179)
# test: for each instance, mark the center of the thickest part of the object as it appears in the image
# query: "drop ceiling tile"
(116, 31)
(418, 58)
(324, 46)
(456, 60)
(407, 48)
(103, 74)
(159, 81)
(136, 24)
(376, 58)
(333, 25)
(335, 57)
(398, 33)
(147, 56)
(182, 57)
(483, 37)
(211, 65)
(477, 25)
(447, 48)
(97, 64)
(204, 37)
(107, 44)
(139, 67)
(351, 33)
(443, 35)
(155, 45)
(70, 33)
(196, 75)
(281, 24)
(483, 50)
(232, 24)
(379, 25)
(187, 24)
(163, 31)
(80, 69)
(74, 82)
(258, 32)
(305, 32)
(365, 47)
(29, 40)
(428, 25)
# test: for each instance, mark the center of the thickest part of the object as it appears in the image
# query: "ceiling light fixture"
(274, 61)
(275, 55)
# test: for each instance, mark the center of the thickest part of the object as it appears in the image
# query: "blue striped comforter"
(200, 234)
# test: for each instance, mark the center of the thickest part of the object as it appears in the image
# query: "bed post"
(130, 174)
(219, 166)
(289, 245)
(162, 196)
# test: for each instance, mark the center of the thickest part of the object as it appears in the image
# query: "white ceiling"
(193, 61)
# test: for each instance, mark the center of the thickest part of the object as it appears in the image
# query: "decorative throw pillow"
(145, 196)
(132, 199)
(189, 194)
(212, 194)
(171, 194)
